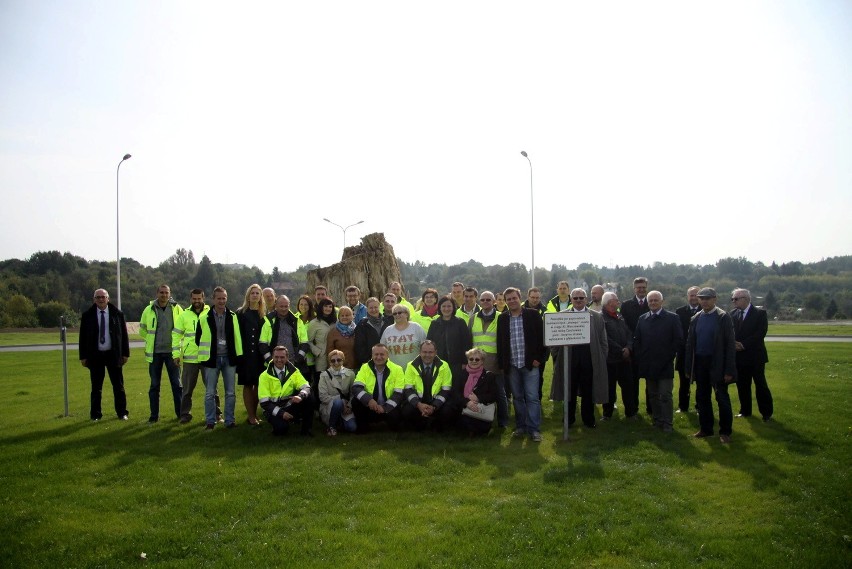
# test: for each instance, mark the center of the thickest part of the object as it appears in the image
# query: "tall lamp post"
(117, 253)
(532, 223)
(343, 229)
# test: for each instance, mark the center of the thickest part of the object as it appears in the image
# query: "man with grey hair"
(750, 326)
(685, 313)
(656, 341)
(588, 367)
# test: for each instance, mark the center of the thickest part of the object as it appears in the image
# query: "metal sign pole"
(64, 339)
(566, 385)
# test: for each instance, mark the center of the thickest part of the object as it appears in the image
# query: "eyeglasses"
(399, 313)
(578, 298)
(336, 361)
(474, 359)
(486, 300)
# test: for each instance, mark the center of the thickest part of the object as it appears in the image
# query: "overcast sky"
(658, 131)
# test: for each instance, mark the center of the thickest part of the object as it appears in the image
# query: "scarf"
(472, 379)
(346, 330)
(430, 310)
(376, 323)
(614, 314)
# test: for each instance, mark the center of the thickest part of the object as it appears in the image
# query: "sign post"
(63, 337)
(566, 329)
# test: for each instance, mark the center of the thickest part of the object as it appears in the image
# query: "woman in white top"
(403, 339)
(335, 385)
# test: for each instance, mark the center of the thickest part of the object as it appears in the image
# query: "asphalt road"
(138, 344)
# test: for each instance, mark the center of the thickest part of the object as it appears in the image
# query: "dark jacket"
(485, 390)
(724, 350)
(533, 339)
(89, 332)
(631, 311)
(365, 338)
(251, 364)
(685, 314)
(275, 322)
(209, 321)
(618, 336)
(656, 340)
(452, 339)
(750, 333)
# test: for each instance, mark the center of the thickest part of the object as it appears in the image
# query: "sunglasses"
(474, 359)
(399, 313)
(578, 298)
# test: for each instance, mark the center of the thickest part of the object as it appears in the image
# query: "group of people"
(450, 361)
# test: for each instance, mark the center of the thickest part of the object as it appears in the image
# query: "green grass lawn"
(83, 494)
(808, 329)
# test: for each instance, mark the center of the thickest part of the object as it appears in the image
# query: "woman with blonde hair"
(475, 387)
(335, 385)
(341, 336)
(250, 317)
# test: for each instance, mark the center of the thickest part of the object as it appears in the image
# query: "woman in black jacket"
(451, 335)
(475, 386)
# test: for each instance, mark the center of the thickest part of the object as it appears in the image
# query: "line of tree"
(37, 291)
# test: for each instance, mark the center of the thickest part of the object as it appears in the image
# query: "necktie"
(103, 328)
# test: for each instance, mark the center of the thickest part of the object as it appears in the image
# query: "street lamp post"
(343, 229)
(532, 223)
(117, 253)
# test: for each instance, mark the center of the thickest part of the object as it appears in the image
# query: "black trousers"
(303, 411)
(704, 387)
(366, 417)
(745, 375)
(581, 384)
(438, 421)
(684, 387)
(98, 368)
(619, 373)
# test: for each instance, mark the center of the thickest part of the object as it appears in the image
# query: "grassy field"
(82, 494)
(809, 329)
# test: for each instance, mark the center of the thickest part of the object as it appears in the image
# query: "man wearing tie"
(104, 347)
(750, 326)
(631, 310)
(685, 313)
(428, 384)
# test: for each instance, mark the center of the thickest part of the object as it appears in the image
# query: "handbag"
(485, 413)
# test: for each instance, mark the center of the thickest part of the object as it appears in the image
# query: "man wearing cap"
(711, 364)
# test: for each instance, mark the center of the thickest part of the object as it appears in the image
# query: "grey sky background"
(666, 131)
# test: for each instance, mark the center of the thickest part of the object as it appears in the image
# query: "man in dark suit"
(104, 347)
(656, 342)
(520, 351)
(750, 325)
(631, 310)
(685, 313)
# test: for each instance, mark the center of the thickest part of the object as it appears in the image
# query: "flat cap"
(707, 292)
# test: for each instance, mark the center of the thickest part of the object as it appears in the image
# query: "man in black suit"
(104, 347)
(656, 342)
(750, 326)
(631, 310)
(685, 313)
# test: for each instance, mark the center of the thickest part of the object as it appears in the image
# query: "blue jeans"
(229, 379)
(336, 417)
(155, 370)
(524, 384)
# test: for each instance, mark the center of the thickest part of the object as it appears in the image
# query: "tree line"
(35, 292)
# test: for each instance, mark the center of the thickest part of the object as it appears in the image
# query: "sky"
(678, 132)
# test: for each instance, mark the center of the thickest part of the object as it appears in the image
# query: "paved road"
(138, 344)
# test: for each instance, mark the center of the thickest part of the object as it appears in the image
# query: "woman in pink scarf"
(475, 386)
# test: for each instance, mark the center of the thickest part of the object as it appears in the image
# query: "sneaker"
(95, 419)
(536, 437)
(331, 431)
(518, 433)
(123, 418)
(219, 419)
(209, 427)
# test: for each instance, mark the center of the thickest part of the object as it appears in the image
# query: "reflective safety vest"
(442, 382)
(365, 381)
(423, 320)
(401, 301)
(206, 351)
(553, 305)
(148, 329)
(485, 338)
(273, 392)
(188, 323)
